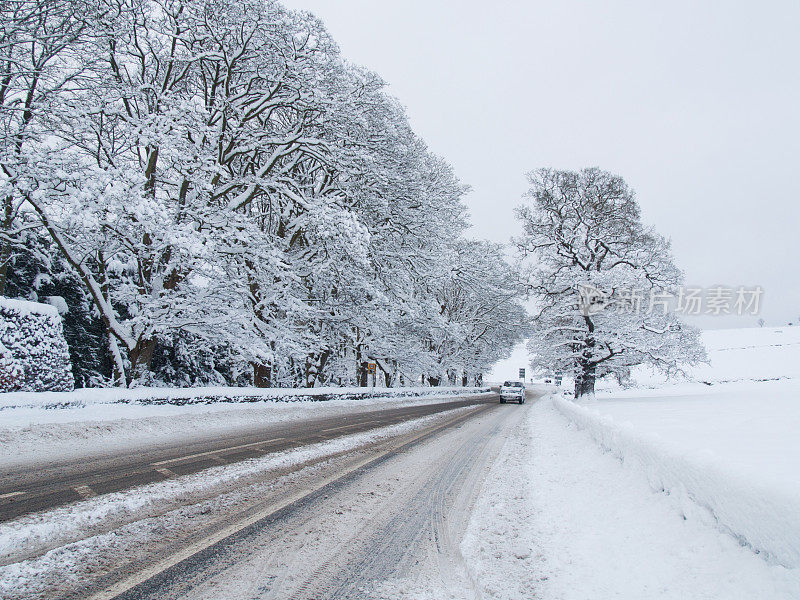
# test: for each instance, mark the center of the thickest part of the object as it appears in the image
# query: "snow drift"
(764, 518)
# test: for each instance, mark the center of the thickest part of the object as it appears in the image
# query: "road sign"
(370, 367)
(522, 374)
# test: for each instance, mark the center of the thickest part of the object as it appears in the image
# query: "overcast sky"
(695, 104)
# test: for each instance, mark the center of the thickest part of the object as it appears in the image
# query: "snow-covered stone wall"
(34, 356)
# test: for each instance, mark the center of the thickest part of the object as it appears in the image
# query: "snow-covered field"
(752, 354)
(666, 490)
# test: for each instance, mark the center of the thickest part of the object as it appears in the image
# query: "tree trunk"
(117, 364)
(584, 380)
(141, 357)
(387, 376)
(5, 250)
(315, 364)
(362, 375)
(5, 260)
(262, 375)
(464, 379)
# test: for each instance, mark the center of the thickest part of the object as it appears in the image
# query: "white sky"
(696, 104)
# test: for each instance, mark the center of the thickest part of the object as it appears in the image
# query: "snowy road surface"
(392, 531)
(54, 482)
(326, 508)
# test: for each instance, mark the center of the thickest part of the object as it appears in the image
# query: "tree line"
(211, 193)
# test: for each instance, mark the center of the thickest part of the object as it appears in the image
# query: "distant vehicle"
(548, 380)
(512, 390)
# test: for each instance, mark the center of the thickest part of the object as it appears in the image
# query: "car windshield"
(512, 384)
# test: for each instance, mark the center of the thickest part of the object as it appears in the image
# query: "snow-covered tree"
(240, 203)
(602, 280)
(479, 315)
(38, 46)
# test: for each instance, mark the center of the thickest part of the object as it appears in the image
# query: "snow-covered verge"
(561, 518)
(726, 443)
(210, 395)
(758, 513)
(29, 435)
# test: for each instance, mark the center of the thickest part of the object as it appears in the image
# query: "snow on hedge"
(33, 352)
(764, 518)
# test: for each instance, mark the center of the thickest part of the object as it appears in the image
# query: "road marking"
(341, 427)
(11, 495)
(212, 452)
(166, 471)
(84, 491)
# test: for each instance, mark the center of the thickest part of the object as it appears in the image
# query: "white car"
(512, 390)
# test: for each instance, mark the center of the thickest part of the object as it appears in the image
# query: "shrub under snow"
(33, 352)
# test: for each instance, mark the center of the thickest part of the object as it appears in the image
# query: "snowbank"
(33, 352)
(762, 516)
(558, 519)
(212, 395)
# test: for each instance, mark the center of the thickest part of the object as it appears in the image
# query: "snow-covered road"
(392, 532)
(384, 486)
(55, 481)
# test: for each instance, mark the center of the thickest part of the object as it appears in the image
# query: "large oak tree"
(595, 270)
